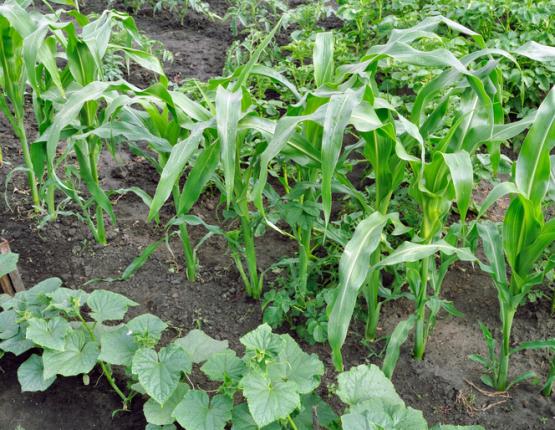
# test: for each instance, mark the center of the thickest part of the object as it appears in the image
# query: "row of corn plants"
(222, 140)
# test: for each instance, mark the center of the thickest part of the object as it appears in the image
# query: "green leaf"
(337, 117)
(247, 69)
(314, 408)
(9, 326)
(323, 58)
(242, 420)
(162, 415)
(30, 375)
(8, 263)
(223, 365)
(492, 242)
(108, 306)
(118, 346)
(198, 412)
(79, 356)
(537, 51)
(159, 373)
(174, 167)
(200, 346)
(460, 167)
(228, 113)
(366, 382)
(533, 165)
(353, 269)
(409, 252)
(147, 326)
(379, 414)
(495, 194)
(198, 177)
(301, 368)
(262, 340)
(48, 334)
(269, 400)
(396, 340)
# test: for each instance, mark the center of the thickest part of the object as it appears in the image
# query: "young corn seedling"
(388, 138)
(88, 101)
(223, 127)
(525, 235)
(441, 174)
(26, 55)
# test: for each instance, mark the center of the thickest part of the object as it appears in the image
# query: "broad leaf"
(262, 340)
(31, 375)
(366, 382)
(162, 415)
(78, 357)
(198, 412)
(301, 368)
(147, 326)
(269, 400)
(48, 334)
(108, 306)
(200, 346)
(118, 346)
(160, 372)
(224, 365)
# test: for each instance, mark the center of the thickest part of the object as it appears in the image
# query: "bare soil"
(445, 385)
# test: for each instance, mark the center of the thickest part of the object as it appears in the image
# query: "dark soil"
(445, 385)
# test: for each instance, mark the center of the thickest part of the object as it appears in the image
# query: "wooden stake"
(10, 283)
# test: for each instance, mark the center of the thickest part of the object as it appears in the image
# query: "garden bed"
(445, 385)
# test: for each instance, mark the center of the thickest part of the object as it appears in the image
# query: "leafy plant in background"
(68, 331)
(525, 235)
(183, 7)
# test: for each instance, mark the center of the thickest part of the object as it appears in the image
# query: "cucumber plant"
(70, 332)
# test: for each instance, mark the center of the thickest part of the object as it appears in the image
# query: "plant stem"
(292, 423)
(548, 388)
(420, 335)
(188, 251)
(107, 372)
(372, 299)
(304, 259)
(507, 317)
(250, 256)
(20, 131)
(51, 201)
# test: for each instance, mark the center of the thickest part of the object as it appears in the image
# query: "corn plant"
(26, 55)
(439, 155)
(210, 139)
(525, 235)
(84, 44)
